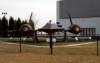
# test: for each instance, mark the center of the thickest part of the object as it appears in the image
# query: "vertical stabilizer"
(70, 18)
(31, 21)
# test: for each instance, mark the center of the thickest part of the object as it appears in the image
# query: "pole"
(64, 35)
(97, 45)
(35, 39)
(51, 43)
(20, 44)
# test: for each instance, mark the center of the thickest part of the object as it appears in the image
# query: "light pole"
(4, 13)
(4, 32)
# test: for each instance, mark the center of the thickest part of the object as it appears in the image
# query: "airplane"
(26, 29)
(73, 28)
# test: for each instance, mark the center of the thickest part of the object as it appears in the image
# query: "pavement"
(70, 45)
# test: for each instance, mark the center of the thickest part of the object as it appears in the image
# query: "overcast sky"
(43, 10)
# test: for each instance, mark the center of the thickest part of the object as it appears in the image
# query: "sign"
(48, 39)
(53, 39)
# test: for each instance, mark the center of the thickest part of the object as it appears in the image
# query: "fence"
(66, 48)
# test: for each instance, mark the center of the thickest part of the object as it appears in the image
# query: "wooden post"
(35, 39)
(20, 44)
(64, 35)
(51, 42)
(97, 45)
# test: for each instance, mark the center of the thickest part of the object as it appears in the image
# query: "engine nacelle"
(26, 28)
(75, 29)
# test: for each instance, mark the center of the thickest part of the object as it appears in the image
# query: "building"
(85, 13)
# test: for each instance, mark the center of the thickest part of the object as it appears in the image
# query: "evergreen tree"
(24, 22)
(17, 26)
(5, 26)
(0, 27)
(11, 25)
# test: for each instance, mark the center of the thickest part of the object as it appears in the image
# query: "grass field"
(30, 54)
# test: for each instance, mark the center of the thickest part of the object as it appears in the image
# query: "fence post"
(20, 44)
(97, 45)
(51, 42)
